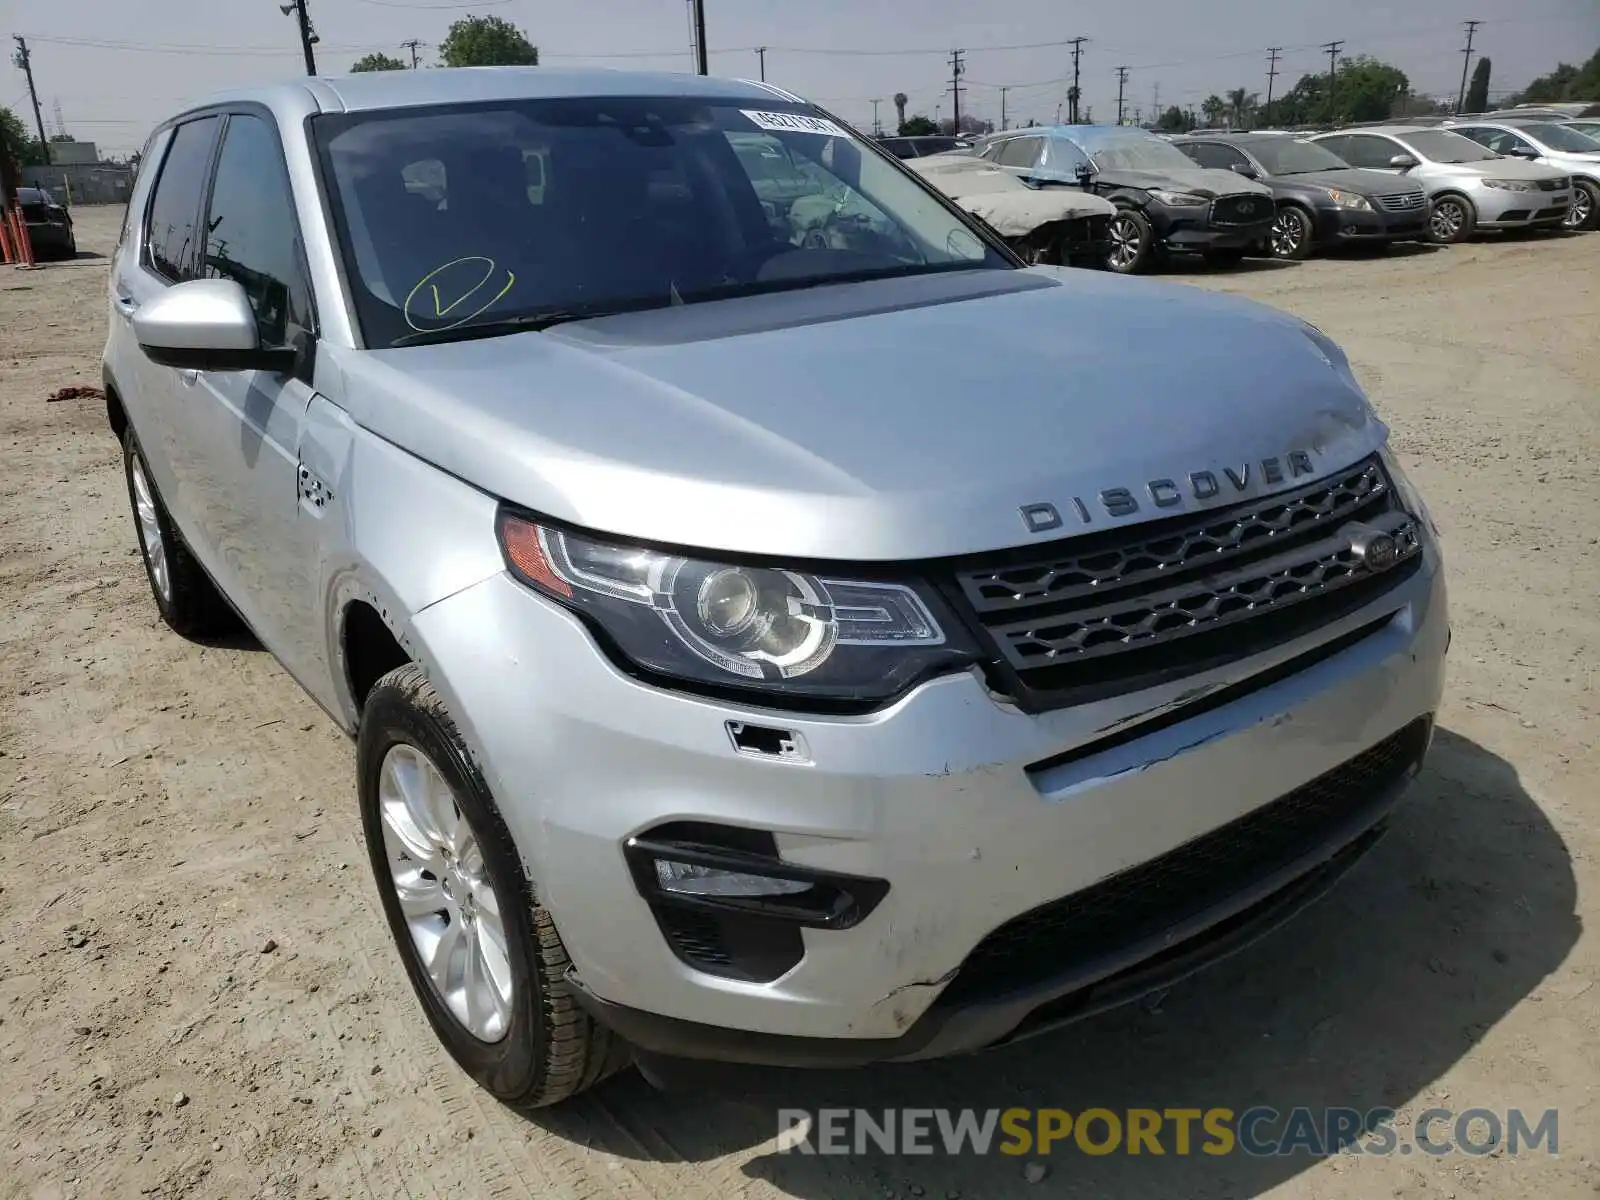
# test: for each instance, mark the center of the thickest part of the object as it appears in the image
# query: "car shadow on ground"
(1392, 250)
(1363, 1001)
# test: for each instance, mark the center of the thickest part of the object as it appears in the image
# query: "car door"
(163, 251)
(249, 423)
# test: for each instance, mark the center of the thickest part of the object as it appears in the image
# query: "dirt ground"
(198, 995)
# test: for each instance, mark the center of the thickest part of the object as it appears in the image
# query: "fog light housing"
(694, 879)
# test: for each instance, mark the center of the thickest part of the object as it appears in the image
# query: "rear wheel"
(1131, 239)
(185, 596)
(483, 957)
(1452, 219)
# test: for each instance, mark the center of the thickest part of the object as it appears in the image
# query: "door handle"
(190, 378)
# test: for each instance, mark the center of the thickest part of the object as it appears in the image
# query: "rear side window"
(1020, 152)
(1214, 155)
(251, 233)
(1364, 150)
(175, 208)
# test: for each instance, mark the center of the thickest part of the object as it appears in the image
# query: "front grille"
(1141, 902)
(1241, 210)
(1128, 608)
(1404, 202)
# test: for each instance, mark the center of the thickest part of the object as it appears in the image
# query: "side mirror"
(1522, 152)
(1402, 162)
(1245, 169)
(205, 325)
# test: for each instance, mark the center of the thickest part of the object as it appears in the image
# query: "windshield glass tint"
(455, 216)
(1291, 156)
(1140, 154)
(1560, 137)
(1444, 147)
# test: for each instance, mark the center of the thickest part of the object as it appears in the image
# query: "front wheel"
(1585, 210)
(1451, 220)
(1131, 240)
(483, 957)
(1290, 238)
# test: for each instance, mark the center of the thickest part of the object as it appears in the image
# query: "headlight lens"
(790, 633)
(1511, 185)
(1349, 200)
(1179, 199)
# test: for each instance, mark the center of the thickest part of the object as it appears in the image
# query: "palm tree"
(1241, 106)
(900, 100)
(1212, 108)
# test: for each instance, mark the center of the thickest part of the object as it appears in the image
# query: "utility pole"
(1466, 60)
(25, 65)
(308, 38)
(1003, 91)
(877, 126)
(411, 44)
(1333, 49)
(698, 8)
(1073, 92)
(1122, 79)
(761, 54)
(1272, 73)
(1155, 101)
(956, 68)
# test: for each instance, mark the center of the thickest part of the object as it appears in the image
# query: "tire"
(537, 1046)
(1585, 211)
(185, 597)
(1131, 241)
(1452, 219)
(1293, 234)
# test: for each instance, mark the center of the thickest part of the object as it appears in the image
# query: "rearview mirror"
(1244, 169)
(1402, 162)
(205, 325)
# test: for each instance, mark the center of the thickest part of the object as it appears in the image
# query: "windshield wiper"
(525, 322)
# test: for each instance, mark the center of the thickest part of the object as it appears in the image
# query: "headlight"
(719, 625)
(1179, 199)
(1511, 185)
(1410, 498)
(1349, 200)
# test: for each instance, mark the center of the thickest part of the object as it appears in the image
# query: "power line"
(1272, 74)
(1074, 92)
(1122, 79)
(1466, 60)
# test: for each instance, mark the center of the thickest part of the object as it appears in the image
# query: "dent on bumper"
(937, 794)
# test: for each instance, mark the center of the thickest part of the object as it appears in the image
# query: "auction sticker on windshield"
(794, 123)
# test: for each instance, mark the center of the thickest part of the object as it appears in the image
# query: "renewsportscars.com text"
(1260, 1131)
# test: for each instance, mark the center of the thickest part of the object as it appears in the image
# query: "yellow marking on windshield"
(440, 308)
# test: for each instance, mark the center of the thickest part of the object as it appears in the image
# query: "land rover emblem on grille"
(1377, 550)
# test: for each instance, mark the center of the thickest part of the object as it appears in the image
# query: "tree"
(377, 61)
(1174, 120)
(970, 125)
(918, 126)
(18, 143)
(900, 99)
(1242, 106)
(1566, 82)
(1212, 108)
(1363, 89)
(487, 42)
(1478, 89)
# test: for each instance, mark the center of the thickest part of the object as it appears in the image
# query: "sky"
(114, 68)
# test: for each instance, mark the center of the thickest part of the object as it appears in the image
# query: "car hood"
(1354, 179)
(896, 419)
(1499, 168)
(1202, 181)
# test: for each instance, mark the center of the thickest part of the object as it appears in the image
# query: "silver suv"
(1469, 187)
(738, 669)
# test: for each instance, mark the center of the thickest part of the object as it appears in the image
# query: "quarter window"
(1020, 152)
(175, 207)
(251, 233)
(1215, 156)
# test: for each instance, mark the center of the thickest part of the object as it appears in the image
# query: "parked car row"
(1224, 195)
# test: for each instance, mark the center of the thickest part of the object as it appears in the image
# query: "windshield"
(1140, 154)
(461, 216)
(1561, 137)
(1438, 145)
(1292, 156)
(1590, 128)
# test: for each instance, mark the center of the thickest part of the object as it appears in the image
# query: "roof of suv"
(463, 85)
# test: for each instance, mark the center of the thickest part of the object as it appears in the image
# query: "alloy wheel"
(1580, 211)
(1288, 234)
(437, 870)
(155, 546)
(1124, 236)
(1447, 220)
